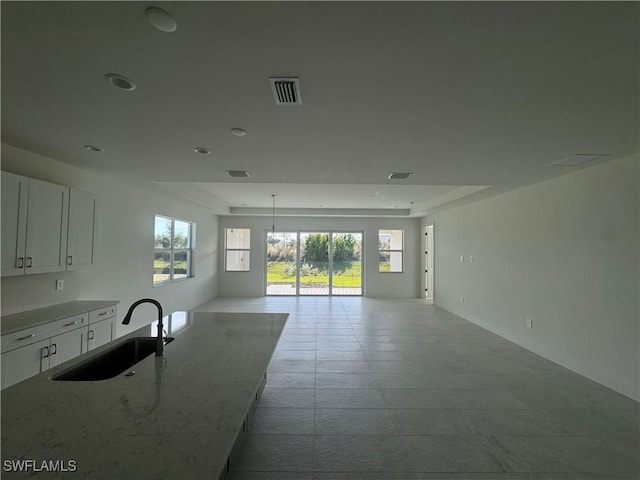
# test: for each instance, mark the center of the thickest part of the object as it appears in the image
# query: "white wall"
(376, 284)
(562, 252)
(124, 257)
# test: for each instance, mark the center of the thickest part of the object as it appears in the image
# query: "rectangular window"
(173, 244)
(390, 246)
(237, 249)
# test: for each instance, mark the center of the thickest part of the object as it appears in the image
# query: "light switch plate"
(59, 284)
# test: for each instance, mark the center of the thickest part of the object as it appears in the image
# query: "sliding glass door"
(282, 257)
(346, 266)
(314, 263)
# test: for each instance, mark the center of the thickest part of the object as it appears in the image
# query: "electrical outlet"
(462, 258)
(529, 323)
(59, 284)
(470, 258)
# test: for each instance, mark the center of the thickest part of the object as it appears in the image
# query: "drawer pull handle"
(54, 349)
(20, 263)
(91, 334)
(27, 336)
(29, 262)
(70, 323)
(103, 313)
(69, 260)
(45, 352)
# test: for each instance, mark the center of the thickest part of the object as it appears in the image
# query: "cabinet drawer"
(101, 314)
(31, 335)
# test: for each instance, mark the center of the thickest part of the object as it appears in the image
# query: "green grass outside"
(159, 265)
(345, 274)
(161, 270)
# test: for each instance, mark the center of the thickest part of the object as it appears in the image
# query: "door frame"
(429, 263)
(297, 234)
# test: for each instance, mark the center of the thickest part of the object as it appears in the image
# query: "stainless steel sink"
(111, 362)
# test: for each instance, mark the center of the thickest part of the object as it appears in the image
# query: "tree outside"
(314, 258)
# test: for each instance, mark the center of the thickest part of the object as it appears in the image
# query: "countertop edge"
(16, 322)
(219, 458)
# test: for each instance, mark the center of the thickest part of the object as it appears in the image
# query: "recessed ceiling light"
(399, 175)
(238, 173)
(120, 82)
(202, 150)
(160, 19)
(238, 132)
(94, 148)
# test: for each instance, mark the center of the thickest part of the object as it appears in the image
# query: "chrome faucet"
(127, 319)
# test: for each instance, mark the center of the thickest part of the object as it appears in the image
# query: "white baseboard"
(621, 386)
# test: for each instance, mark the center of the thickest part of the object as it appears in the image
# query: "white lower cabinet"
(65, 347)
(102, 327)
(100, 333)
(28, 352)
(23, 362)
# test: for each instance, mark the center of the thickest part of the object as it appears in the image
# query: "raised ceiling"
(473, 98)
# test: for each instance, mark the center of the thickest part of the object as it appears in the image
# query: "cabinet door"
(82, 229)
(15, 193)
(24, 362)
(100, 333)
(67, 346)
(46, 227)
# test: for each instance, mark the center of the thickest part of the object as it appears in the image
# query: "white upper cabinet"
(46, 227)
(15, 193)
(42, 231)
(82, 229)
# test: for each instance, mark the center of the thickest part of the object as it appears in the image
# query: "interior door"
(428, 263)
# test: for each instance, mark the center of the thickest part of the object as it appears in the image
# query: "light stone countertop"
(176, 418)
(32, 318)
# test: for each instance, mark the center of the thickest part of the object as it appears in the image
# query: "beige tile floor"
(368, 389)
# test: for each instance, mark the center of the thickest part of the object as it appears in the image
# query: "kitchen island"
(178, 417)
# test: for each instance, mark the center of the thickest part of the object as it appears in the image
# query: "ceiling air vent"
(577, 159)
(286, 90)
(238, 173)
(399, 175)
